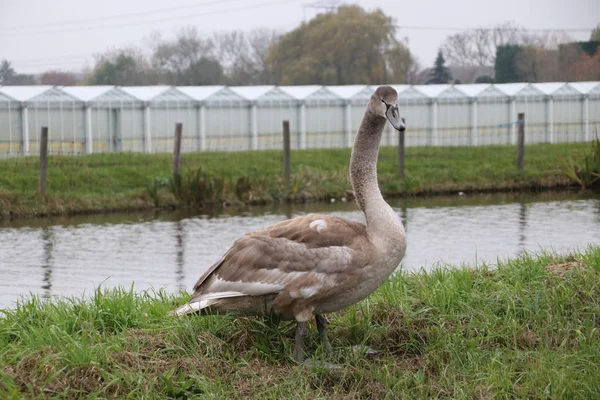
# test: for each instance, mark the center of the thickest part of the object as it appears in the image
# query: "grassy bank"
(528, 329)
(106, 182)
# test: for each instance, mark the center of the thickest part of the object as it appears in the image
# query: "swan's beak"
(393, 115)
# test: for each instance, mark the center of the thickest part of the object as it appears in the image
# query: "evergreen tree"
(440, 73)
(505, 64)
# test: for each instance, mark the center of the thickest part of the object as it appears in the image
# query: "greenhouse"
(223, 118)
(114, 120)
(41, 106)
(318, 110)
(89, 119)
(590, 92)
(490, 119)
(356, 98)
(163, 107)
(269, 107)
(10, 126)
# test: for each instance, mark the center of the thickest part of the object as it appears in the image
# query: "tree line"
(348, 45)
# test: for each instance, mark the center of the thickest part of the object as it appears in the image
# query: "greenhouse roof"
(5, 98)
(586, 87)
(301, 92)
(262, 93)
(548, 87)
(100, 94)
(347, 91)
(410, 93)
(511, 89)
(157, 94)
(312, 93)
(432, 90)
(400, 88)
(145, 93)
(37, 94)
(474, 90)
(212, 94)
(200, 93)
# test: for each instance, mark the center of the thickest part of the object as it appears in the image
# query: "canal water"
(73, 256)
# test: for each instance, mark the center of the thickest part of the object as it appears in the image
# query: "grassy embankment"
(107, 182)
(528, 329)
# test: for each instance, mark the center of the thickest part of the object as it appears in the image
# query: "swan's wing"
(301, 255)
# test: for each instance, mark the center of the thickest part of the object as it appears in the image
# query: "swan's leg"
(299, 346)
(322, 328)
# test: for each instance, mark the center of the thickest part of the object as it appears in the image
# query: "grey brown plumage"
(314, 264)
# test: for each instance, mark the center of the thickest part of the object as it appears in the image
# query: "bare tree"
(477, 47)
(483, 51)
(260, 41)
(244, 55)
(187, 59)
(457, 50)
(508, 32)
(416, 75)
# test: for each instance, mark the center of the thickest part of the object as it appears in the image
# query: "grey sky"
(27, 36)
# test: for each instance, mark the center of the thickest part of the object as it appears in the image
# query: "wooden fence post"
(177, 148)
(286, 152)
(521, 141)
(43, 161)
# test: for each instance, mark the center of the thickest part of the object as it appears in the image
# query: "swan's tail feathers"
(188, 308)
(198, 303)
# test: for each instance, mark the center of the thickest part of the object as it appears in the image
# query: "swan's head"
(384, 102)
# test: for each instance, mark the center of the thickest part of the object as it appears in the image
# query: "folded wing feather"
(298, 254)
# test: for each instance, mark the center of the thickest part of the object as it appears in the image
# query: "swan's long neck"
(381, 219)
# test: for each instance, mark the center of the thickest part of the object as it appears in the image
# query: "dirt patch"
(564, 269)
(35, 369)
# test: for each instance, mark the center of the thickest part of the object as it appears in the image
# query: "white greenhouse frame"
(90, 119)
(11, 132)
(114, 120)
(51, 107)
(319, 113)
(269, 106)
(222, 118)
(590, 98)
(163, 107)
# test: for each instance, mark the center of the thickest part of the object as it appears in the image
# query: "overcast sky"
(38, 35)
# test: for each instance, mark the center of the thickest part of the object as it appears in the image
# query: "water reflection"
(522, 225)
(180, 248)
(172, 249)
(47, 262)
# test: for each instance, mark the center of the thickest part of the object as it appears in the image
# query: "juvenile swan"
(314, 264)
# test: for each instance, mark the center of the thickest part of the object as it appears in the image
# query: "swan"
(314, 264)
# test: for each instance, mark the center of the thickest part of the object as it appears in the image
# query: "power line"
(116, 16)
(62, 58)
(52, 64)
(122, 25)
(460, 29)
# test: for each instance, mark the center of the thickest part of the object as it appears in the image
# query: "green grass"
(526, 329)
(106, 182)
